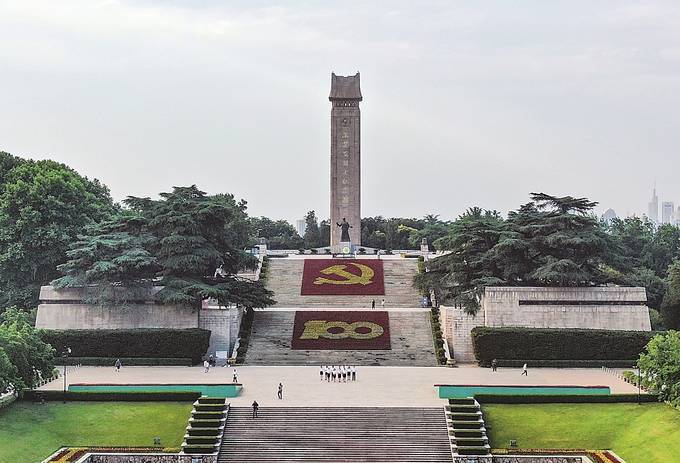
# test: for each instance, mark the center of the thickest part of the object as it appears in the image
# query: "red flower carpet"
(343, 277)
(329, 330)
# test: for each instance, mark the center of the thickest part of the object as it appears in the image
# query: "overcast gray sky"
(465, 103)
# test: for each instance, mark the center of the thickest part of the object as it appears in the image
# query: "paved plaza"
(375, 386)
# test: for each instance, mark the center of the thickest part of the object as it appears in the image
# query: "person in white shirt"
(524, 370)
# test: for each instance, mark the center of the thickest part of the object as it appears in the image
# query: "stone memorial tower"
(345, 158)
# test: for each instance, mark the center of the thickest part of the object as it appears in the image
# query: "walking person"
(255, 407)
(235, 376)
(118, 364)
(333, 372)
(494, 365)
(280, 392)
(382, 303)
(327, 371)
(206, 365)
(354, 373)
(525, 372)
(343, 369)
(372, 303)
(321, 373)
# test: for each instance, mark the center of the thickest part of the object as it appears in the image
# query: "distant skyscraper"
(301, 226)
(653, 208)
(609, 215)
(667, 212)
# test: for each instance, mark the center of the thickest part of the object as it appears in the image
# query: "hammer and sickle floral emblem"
(349, 278)
(315, 329)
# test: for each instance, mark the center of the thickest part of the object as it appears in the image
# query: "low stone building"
(608, 308)
(67, 309)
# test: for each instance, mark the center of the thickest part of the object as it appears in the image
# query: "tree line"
(556, 241)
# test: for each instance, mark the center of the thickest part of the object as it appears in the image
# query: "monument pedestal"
(343, 248)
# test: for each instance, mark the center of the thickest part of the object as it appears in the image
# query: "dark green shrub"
(33, 395)
(528, 344)
(567, 363)
(127, 361)
(135, 343)
(244, 334)
(547, 399)
(203, 431)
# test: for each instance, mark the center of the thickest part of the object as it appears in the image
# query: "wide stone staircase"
(410, 336)
(378, 435)
(284, 278)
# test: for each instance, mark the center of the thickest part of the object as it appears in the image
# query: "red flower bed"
(343, 277)
(330, 330)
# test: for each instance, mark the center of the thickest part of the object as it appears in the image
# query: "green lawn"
(30, 432)
(637, 433)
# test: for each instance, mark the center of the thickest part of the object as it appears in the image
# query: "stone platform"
(410, 332)
(375, 386)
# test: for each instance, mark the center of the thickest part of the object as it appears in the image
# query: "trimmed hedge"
(83, 396)
(244, 334)
(567, 363)
(135, 343)
(127, 361)
(571, 399)
(529, 344)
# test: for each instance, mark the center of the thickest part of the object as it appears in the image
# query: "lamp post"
(639, 381)
(65, 354)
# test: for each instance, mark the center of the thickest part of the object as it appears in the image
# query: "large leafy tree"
(670, 308)
(660, 365)
(175, 242)
(279, 234)
(312, 238)
(468, 264)
(24, 357)
(551, 241)
(561, 243)
(43, 207)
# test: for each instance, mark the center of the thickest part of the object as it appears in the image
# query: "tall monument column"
(345, 157)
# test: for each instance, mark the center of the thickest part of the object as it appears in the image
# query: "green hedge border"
(51, 395)
(566, 363)
(127, 361)
(548, 399)
(542, 344)
(131, 343)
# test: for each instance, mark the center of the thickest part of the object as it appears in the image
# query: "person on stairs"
(255, 407)
(280, 392)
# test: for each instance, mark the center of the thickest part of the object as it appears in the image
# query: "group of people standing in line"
(341, 373)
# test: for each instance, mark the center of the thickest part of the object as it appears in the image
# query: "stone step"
(339, 434)
(410, 336)
(284, 278)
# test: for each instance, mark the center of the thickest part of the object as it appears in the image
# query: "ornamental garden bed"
(340, 330)
(343, 277)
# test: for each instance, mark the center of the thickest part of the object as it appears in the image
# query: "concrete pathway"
(375, 386)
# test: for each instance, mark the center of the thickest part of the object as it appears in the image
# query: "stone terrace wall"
(521, 459)
(608, 308)
(65, 309)
(457, 330)
(148, 458)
